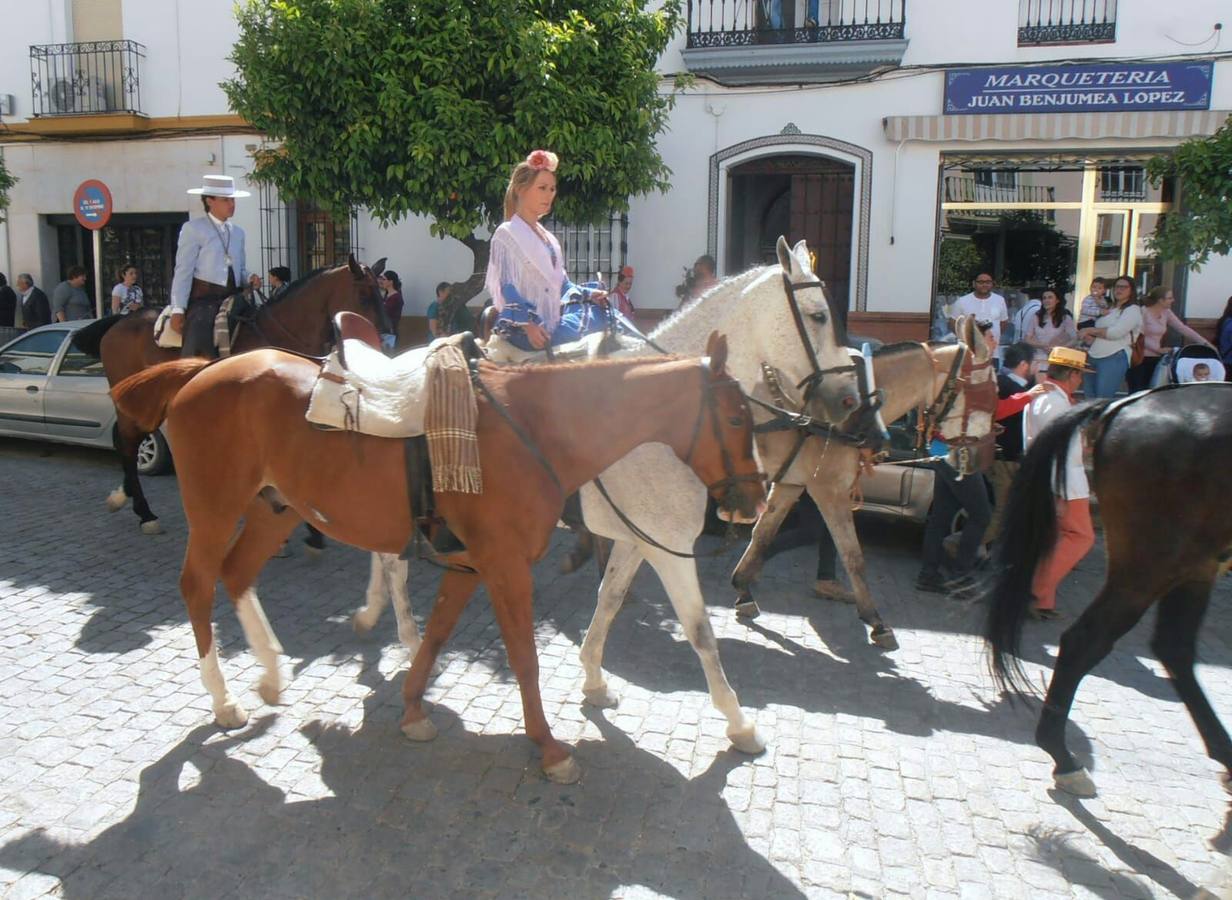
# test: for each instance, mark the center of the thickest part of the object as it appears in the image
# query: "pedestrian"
(1016, 376)
(1157, 318)
(983, 303)
(619, 298)
(279, 279)
(1022, 315)
(1094, 304)
(210, 265)
(8, 304)
(1223, 336)
(705, 275)
(69, 301)
(448, 314)
(1051, 326)
(33, 308)
(1075, 534)
(126, 296)
(1110, 341)
(537, 305)
(391, 285)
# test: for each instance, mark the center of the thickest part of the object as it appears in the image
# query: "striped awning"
(1060, 126)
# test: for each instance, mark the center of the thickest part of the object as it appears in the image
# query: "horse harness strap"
(810, 382)
(517, 429)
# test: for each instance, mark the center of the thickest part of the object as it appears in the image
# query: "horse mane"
(896, 348)
(738, 281)
(298, 285)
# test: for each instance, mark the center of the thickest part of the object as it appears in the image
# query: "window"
(1058, 22)
(32, 355)
(76, 363)
(592, 250)
(1007, 178)
(1117, 183)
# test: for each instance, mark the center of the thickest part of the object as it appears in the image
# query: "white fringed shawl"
(519, 257)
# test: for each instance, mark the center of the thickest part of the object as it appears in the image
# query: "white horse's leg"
(375, 597)
(679, 577)
(263, 643)
(395, 571)
(779, 503)
(622, 565)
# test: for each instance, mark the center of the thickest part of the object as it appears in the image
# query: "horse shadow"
(466, 815)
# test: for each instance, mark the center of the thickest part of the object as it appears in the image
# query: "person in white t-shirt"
(983, 304)
(126, 296)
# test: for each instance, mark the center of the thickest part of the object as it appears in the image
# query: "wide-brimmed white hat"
(218, 186)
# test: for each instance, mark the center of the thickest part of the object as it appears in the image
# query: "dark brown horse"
(1161, 474)
(299, 320)
(238, 429)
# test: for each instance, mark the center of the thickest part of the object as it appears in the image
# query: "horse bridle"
(813, 381)
(976, 399)
(710, 404)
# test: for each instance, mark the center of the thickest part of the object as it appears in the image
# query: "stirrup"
(445, 542)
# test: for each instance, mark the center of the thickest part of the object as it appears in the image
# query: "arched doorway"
(802, 197)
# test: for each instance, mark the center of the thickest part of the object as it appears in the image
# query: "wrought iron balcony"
(1066, 22)
(741, 23)
(966, 189)
(746, 41)
(86, 79)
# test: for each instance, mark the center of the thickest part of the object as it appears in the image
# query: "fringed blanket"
(450, 421)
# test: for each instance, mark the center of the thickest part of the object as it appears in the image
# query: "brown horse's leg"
(456, 589)
(1175, 643)
(511, 601)
(202, 561)
(127, 439)
(781, 499)
(263, 533)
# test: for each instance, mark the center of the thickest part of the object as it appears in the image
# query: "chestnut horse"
(299, 320)
(244, 449)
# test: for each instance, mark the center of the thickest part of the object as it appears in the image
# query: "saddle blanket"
(372, 393)
(164, 335)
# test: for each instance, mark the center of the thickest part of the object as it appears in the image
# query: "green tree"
(424, 106)
(1203, 224)
(958, 263)
(6, 183)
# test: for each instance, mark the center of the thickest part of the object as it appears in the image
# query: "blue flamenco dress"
(528, 284)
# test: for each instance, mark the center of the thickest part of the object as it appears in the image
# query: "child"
(1201, 372)
(1094, 304)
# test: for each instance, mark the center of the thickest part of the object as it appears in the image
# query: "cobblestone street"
(901, 774)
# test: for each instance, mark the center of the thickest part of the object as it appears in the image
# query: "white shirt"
(1020, 318)
(991, 309)
(1039, 412)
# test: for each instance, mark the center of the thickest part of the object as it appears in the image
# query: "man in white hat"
(1075, 534)
(209, 265)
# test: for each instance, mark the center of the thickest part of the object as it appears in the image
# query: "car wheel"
(153, 455)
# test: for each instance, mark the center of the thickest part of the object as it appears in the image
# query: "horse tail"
(89, 339)
(144, 397)
(1028, 534)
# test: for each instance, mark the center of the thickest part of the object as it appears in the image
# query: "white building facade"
(911, 142)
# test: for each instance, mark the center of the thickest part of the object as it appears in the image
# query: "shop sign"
(1110, 87)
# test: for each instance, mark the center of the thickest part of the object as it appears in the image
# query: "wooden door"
(821, 207)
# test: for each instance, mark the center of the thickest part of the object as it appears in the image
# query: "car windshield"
(31, 355)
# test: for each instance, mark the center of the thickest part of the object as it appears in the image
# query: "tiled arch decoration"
(791, 140)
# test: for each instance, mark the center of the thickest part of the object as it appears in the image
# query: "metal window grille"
(736, 23)
(593, 250)
(86, 78)
(301, 236)
(1122, 183)
(1066, 22)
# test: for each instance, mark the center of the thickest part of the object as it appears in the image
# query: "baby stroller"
(1177, 365)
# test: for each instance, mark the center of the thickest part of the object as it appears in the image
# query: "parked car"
(51, 391)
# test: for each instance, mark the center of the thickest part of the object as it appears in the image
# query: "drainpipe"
(894, 191)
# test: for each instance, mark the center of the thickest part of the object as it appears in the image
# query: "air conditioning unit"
(87, 95)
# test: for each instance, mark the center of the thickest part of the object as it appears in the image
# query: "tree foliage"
(6, 183)
(1203, 224)
(424, 106)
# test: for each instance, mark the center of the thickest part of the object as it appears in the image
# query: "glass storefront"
(1046, 223)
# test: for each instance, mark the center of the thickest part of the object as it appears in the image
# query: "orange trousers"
(1075, 538)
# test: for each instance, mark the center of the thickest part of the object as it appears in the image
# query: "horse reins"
(813, 381)
(959, 380)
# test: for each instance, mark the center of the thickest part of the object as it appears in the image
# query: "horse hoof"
(828, 589)
(884, 638)
(362, 628)
(270, 691)
(151, 526)
(747, 609)
(232, 715)
(601, 697)
(116, 500)
(421, 730)
(567, 771)
(746, 739)
(1078, 783)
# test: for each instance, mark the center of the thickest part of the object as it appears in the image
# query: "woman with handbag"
(1157, 318)
(1111, 341)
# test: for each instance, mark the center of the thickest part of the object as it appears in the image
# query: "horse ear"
(379, 266)
(353, 264)
(716, 349)
(784, 253)
(801, 254)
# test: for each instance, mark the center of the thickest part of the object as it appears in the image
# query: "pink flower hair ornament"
(543, 159)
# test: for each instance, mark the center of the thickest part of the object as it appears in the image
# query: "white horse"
(660, 495)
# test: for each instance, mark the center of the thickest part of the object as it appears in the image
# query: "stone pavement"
(897, 774)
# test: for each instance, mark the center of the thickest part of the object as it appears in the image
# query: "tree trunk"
(480, 248)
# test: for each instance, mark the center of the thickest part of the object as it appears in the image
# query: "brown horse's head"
(721, 449)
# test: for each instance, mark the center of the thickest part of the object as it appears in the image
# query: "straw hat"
(1070, 358)
(218, 186)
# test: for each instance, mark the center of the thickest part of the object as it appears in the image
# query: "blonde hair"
(524, 175)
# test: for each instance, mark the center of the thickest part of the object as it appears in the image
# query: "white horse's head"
(809, 349)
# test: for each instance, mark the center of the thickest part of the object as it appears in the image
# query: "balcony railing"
(965, 189)
(741, 23)
(1066, 22)
(86, 79)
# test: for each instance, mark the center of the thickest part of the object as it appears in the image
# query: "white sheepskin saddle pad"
(373, 394)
